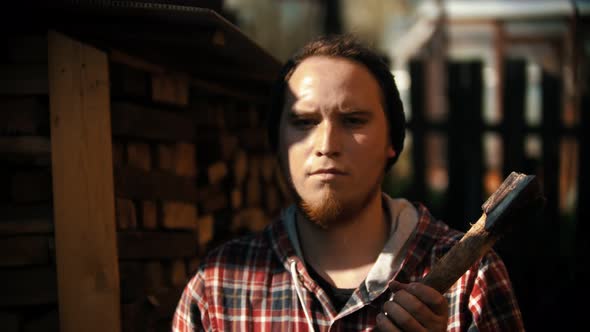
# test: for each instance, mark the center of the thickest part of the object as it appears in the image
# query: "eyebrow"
(303, 112)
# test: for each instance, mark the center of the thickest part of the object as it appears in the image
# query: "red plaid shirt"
(246, 285)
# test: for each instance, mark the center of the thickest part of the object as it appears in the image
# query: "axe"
(517, 197)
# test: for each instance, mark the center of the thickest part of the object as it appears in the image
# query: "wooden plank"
(206, 225)
(31, 186)
(251, 219)
(177, 273)
(209, 146)
(272, 203)
(552, 110)
(23, 79)
(236, 198)
(155, 245)
(170, 88)
(131, 120)
(153, 312)
(228, 145)
(26, 219)
(582, 227)
(118, 154)
(31, 286)
(134, 183)
(165, 156)
(213, 199)
(185, 162)
(25, 48)
(46, 322)
(240, 167)
(216, 172)
(132, 276)
(40, 226)
(35, 150)
(179, 215)
(149, 214)
(23, 116)
(268, 165)
(513, 102)
(126, 215)
(465, 192)
(128, 82)
(24, 250)
(84, 205)
(153, 277)
(417, 95)
(139, 156)
(166, 301)
(253, 139)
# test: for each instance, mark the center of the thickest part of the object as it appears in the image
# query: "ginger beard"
(329, 210)
(324, 211)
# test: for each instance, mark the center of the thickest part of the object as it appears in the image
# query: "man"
(345, 257)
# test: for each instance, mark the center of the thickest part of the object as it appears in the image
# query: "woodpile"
(191, 169)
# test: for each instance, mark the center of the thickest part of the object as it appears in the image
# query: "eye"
(303, 123)
(354, 121)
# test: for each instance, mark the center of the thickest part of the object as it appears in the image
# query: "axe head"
(518, 196)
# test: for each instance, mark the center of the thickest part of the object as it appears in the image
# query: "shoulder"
(238, 256)
(435, 231)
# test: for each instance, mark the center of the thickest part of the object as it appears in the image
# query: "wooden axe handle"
(518, 195)
(474, 244)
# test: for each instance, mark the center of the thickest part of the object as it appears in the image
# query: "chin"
(331, 209)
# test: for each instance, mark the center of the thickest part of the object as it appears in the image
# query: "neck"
(344, 252)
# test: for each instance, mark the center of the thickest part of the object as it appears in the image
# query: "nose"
(327, 140)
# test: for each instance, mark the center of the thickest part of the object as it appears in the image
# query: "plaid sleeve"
(492, 301)
(191, 311)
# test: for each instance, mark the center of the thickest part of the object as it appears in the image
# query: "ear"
(390, 152)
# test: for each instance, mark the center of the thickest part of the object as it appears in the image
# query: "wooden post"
(513, 125)
(84, 204)
(465, 193)
(418, 129)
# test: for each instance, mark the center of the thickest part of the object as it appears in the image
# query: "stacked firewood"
(191, 170)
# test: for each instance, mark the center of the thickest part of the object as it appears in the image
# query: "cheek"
(370, 144)
(296, 158)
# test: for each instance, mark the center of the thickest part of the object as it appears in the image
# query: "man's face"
(333, 141)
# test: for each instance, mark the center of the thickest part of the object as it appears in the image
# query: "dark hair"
(348, 47)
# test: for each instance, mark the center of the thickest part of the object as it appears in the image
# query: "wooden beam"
(134, 183)
(31, 186)
(154, 245)
(23, 116)
(24, 250)
(31, 286)
(135, 121)
(205, 86)
(26, 149)
(21, 79)
(84, 204)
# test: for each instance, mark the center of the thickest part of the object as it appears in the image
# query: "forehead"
(323, 82)
(333, 70)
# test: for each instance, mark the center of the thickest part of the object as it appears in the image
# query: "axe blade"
(516, 191)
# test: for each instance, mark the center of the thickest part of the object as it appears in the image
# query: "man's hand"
(415, 307)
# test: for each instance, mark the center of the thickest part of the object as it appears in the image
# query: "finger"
(415, 308)
(384, 324)
(429, 296)
(396, 285)
(400, 316)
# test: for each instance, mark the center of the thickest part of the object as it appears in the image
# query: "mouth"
(328, 173)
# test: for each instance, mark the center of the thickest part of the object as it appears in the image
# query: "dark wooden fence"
(546, 254)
